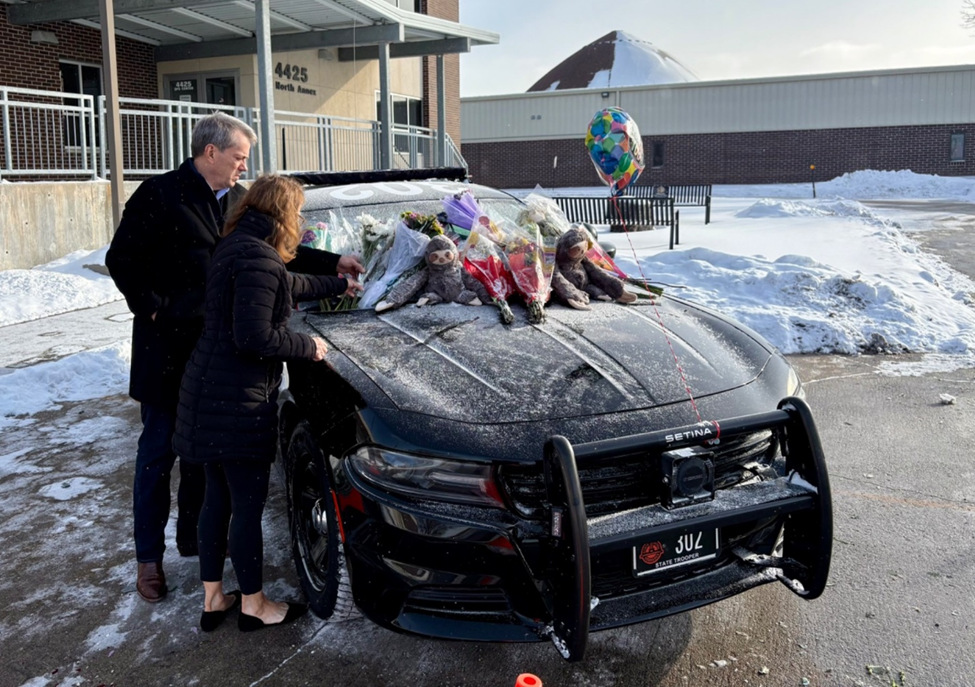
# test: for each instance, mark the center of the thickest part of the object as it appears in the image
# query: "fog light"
(688, 477)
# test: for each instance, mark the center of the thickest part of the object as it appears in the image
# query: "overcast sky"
(716, 39)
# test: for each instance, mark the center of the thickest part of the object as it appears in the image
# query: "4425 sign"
(291, 72)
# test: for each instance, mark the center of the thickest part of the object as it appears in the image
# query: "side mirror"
(591, 229)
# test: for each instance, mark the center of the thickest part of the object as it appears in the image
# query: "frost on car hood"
(458, 362)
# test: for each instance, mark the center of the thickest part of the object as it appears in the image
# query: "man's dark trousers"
(151, 501)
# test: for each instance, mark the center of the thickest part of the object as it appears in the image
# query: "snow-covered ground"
(811, 275)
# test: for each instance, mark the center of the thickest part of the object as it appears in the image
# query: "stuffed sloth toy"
(444, 280)
(576, 279)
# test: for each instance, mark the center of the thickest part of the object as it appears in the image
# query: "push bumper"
(803, 497)
(483, 574)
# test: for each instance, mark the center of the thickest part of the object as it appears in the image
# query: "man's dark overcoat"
(159, 258)
(228, 400)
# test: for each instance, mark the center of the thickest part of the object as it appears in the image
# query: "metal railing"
(50, 134)
(47, 133)
(309, 142)
(156, 134)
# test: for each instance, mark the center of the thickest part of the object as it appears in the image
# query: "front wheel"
(316, 544)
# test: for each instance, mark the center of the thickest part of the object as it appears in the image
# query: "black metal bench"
(684, 195)
(636, 214)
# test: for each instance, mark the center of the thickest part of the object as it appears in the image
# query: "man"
(159, 258)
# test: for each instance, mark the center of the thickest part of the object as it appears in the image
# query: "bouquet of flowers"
(531, 269)
(315, 236)
(425, 224)
(342, 238)
(335, 236)
(546, 213)
(376, 238)
(461, 211)
(404, 257)
(483, 260)
(600, 258)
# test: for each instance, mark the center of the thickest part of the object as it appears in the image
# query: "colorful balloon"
(616, 148)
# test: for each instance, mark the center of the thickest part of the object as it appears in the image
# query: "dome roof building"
(617, 59)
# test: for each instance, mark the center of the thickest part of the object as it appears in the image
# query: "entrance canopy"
(192, 29)
(196, 29)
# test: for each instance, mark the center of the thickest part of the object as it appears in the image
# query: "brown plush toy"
(443, 280)
(576, 279)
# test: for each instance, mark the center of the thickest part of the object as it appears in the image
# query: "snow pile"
(92, 374)
(768, 207)
(60, 286)
(874, 184)
(868, 184)
(802, 306)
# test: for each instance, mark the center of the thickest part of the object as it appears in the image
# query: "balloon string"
(660, 319)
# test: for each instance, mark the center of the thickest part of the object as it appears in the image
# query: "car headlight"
(795, 385)
(427, 477)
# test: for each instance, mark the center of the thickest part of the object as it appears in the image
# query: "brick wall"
(444, 9)
(29, 65)
(764, 157)
(46, 139)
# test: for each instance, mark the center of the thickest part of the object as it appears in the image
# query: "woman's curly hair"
(279, 198)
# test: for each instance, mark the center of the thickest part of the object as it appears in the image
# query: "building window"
(657, 160)
(85, 79)
(407, 112)
(408, 5)
(957, 153)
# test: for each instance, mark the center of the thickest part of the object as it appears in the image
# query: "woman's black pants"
(236, 492)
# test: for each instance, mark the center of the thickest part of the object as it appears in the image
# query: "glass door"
(221, 90)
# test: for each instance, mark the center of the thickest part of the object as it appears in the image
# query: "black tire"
(316, 544)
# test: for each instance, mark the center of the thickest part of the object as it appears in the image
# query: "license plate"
(675, 550)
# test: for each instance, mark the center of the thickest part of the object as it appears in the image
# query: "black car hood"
(460, 363)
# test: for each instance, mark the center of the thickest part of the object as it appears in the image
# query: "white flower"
(373, 230)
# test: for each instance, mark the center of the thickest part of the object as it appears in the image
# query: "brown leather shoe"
(151, 582)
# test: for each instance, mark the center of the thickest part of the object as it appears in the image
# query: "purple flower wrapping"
(462, 210)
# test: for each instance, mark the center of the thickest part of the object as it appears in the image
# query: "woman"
(227, 415)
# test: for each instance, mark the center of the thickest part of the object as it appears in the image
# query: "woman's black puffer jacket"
(228, 397)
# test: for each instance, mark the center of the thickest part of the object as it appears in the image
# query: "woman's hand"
(320, 349)
(355, 288)
(349, 264)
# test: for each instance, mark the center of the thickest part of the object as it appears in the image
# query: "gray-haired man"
(159, 259)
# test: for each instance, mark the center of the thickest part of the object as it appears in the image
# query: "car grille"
(615, 578)
(621, 483)
(612, 571)
(458, 600)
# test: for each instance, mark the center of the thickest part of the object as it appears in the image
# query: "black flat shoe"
(250, 623)
(210, 620)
